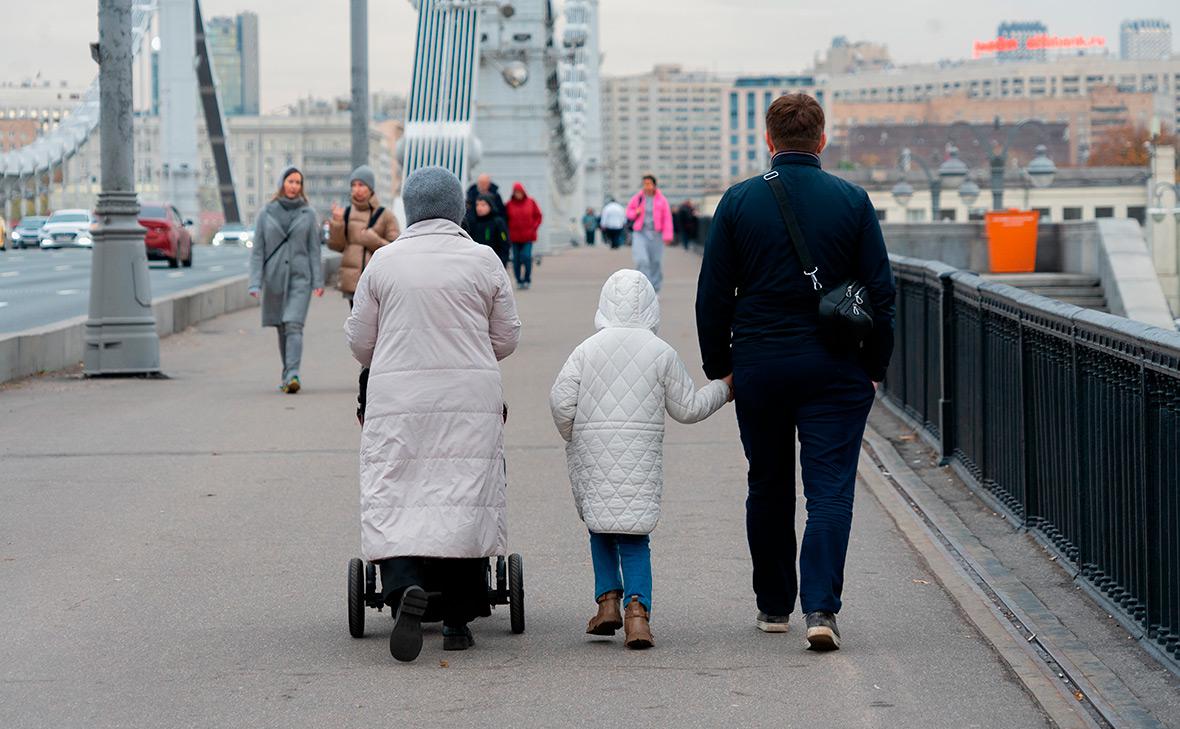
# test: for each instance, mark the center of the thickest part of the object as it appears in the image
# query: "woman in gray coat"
(285, 269)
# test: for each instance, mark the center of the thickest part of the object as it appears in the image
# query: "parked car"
(234, 234)
(167, 237)
(68, 229)
(27, 233)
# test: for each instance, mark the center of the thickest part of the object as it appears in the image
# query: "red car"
(167, 236)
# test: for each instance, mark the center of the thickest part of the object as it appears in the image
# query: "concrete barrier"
(60, 345)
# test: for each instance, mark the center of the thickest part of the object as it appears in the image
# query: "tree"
(1125, 146)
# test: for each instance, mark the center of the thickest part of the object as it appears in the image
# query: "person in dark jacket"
(484, 186)
(485, 227)
(687, 224)
(757, 318)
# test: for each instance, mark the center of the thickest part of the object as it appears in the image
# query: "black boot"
(457, 638)
(405, 642)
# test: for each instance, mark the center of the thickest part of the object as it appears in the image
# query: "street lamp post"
(359, 16)
(1040, 171)
(121, 334)
(1158, 211)
(951, 173)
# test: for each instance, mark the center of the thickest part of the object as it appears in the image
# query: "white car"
(68, 229)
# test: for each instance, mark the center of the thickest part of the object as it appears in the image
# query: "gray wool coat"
(286, 273)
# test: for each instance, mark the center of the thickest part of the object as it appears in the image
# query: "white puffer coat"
(432, 315)
(609, 402)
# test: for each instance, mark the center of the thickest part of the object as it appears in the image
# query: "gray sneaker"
(771, 623)
(822, 633)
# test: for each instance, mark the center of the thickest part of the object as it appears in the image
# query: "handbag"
(845, 314)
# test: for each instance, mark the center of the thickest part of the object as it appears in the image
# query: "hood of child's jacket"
(628, 300)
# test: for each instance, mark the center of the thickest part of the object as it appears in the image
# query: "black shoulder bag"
(845, 314)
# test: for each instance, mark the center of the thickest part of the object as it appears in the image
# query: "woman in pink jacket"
(651, 220)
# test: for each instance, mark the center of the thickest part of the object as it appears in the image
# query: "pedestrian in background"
(483, 185)
(686, 216)
(489, 229)
(360, 229)
(524, 219)
(613, 221)
(608, 404)
(651, 218)
(791, 379)
(285, 269)
(590, 225)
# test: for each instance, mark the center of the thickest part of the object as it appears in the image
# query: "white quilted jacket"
(609, 402)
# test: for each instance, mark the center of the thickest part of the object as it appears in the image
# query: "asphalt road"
(172, 554)
(43, 287)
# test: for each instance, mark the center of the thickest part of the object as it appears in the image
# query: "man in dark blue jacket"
(757, 317)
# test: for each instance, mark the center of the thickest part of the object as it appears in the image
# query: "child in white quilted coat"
(608, 404)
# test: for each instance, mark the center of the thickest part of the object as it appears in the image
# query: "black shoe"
(771, 623)
(457, 638)
(822, 633)
(405, 642)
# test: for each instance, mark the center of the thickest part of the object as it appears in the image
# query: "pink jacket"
(660, 208)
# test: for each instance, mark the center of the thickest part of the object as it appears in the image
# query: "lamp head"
(953, 170)
(903, 192)
(1041, 170)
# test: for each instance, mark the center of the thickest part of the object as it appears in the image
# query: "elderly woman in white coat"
(608, 404)
(431, 317)
(285, 269)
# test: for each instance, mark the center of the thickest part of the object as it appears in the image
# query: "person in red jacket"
(524, 218)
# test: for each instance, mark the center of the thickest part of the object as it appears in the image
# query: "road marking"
(68, 292)
(3, 304)
(175, 274)
(61, 268)
(10, 274)
(217, 268)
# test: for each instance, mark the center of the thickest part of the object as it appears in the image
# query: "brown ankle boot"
(609, 617)
(636, 626)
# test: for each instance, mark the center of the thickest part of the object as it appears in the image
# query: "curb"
(60, 345)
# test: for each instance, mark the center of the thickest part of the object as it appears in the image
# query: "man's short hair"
(795, 122)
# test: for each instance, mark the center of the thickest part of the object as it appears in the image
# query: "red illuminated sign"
(1041, 42)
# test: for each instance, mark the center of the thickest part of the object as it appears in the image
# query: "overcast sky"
(304, 43)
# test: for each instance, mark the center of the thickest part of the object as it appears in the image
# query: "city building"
(747, 98)
(44, 103)
(17, 132)
(844, 57)
(233, 50)
(878, 146)
(1145, 39)
(260, 148)
(1021, 32)
(666, 123)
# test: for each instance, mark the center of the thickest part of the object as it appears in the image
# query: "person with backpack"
(360, 229)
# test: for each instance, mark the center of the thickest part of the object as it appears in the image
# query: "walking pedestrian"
(524, 219)
(651, 218)
(483, 185)
(590, 225)
(613, 220)
(489, 229)
(608, 404)
(758, 317)
(360, 229)
(689, 224)
(285, 269)
(431, 318)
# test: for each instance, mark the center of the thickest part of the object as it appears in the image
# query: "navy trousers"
(826, 400)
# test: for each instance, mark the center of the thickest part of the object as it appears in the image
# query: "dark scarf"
(284, 211)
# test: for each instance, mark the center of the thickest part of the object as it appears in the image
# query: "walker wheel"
(516, 592)
(356, 598)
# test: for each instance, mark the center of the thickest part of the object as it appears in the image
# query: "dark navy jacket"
(753, 301)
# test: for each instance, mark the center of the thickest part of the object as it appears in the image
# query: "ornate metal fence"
(1069, 417)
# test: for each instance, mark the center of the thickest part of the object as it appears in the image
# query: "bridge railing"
(1069, 418)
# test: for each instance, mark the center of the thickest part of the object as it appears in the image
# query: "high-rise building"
(747, 99)
(233, 49)
(1145, 39)
(1021, 31)
(846, 57)
(665, 123)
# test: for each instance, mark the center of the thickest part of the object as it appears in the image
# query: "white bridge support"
(178, 106)
(528, 121)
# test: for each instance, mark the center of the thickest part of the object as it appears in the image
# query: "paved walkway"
(172, 554)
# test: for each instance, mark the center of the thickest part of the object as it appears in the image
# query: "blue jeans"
(622, 562)
(522, 262)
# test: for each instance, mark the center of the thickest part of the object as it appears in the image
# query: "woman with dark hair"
(651, 218)
(285, 269)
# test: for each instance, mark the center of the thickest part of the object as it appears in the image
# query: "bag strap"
(784, 208)
(278, 248)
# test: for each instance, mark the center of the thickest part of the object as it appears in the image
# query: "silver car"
(68, 229)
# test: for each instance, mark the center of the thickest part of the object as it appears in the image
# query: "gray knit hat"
(364, 173)
(433, 192)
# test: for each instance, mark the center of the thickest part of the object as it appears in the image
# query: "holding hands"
(728, 380)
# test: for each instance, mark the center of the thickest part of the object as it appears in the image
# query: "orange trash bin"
(1012, 240)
